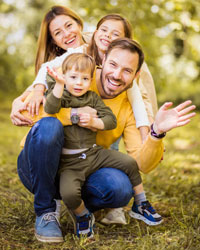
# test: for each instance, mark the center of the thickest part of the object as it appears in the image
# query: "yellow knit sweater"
(147, 155)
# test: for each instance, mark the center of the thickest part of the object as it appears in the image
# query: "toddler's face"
(78, 83)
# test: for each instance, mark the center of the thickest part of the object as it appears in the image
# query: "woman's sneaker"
(114, 216)
(84, 225)
(146, 213)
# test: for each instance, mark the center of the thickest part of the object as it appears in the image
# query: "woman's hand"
(16, 117)
(33, 104)
(167, 119)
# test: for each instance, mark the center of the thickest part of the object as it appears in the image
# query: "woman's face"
(107, 32)
(66, 32)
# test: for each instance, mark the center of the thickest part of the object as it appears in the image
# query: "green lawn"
(173, 188)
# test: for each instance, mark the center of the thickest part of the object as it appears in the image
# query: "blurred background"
(168, 30)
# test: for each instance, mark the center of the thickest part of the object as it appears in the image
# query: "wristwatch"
(153, 133)
(74, 116)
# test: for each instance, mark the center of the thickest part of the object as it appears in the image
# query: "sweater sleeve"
(148, 154)
(137, 103)
(52, 104)
(105, 113)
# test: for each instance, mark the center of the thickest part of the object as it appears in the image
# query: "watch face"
(75, 119)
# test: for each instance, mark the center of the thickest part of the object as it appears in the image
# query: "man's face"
(118, 72)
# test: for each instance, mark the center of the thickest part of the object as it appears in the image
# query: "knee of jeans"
(109, 185)
(48, 130)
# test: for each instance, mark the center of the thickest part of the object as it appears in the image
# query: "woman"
(38, 161)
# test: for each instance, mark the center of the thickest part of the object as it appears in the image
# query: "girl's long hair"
(93, 50)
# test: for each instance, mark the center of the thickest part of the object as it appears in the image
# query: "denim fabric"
(107, 188)
(38, 165)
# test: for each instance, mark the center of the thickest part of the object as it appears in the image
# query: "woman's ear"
(137, 74)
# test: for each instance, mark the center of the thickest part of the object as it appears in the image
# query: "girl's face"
(107, 32)
(66, 32)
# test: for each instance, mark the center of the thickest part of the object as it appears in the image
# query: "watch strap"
(154, 134)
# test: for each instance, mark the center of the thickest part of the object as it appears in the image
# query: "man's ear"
(137, 74)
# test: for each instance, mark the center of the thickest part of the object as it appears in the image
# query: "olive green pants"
(75, 168)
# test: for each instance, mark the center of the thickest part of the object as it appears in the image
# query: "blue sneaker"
(146, 213)
(47, 228)
(84, 225)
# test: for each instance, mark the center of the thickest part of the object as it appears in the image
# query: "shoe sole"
(140, 217)
(49, 239)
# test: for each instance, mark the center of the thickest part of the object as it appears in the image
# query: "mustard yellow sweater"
(147, 155)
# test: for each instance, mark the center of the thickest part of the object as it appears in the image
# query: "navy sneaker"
(146, 213)
(47, 228)
(84, 225)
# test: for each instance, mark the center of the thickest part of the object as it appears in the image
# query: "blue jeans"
(38, 165)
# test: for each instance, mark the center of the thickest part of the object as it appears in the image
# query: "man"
(38, 162)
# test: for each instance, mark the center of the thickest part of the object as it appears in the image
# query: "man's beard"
(113, 96)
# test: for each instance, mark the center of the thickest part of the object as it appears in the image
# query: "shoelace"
(50, 217)
(146, 205)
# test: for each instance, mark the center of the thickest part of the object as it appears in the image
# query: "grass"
(173, 188)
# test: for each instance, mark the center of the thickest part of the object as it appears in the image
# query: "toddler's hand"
(56, 75)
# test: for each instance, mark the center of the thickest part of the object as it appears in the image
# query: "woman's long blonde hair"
(47, 49)
(93, 50)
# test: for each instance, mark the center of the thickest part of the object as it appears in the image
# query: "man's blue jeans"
(38, 165)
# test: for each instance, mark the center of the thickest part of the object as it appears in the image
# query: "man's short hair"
(81, 61)
(127, 44)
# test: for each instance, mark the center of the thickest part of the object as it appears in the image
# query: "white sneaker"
(114, 216)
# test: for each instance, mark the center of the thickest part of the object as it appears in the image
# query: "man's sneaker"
(58, 208)
(47, 228)
(146, 213)
(84, 225)
(114, 216)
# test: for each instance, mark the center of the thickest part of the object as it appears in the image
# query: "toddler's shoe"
(146, 213)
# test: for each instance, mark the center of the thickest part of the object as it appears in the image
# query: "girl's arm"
(139, 110)
(146, 85)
